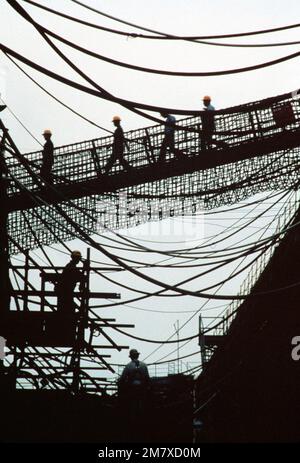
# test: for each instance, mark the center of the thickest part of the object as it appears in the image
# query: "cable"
(165, 72)
(136, 337)
(134, 271)
(200, 309)
(169, 36)
(59, 101)
(166, 36)
(249, 106)
(20, 122)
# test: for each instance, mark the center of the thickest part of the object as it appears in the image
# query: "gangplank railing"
(85, 160)
(177, 191)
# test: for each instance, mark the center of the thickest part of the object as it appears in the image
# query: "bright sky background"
(186, 17)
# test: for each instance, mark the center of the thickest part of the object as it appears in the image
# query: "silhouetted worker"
(208, 123)
(118, 147)
(169, 139)
(66, 284)
(48, 157)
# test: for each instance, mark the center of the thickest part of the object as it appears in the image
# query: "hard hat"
(206, 98)
(76, 254)
(47, 132)
(116, 118)
(133, 352)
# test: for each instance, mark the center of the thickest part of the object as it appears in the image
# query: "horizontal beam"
(117, 325)
(95, 269)
(101, 346)
(91, 294)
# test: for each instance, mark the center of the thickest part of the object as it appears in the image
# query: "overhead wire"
(164, 71)
(126, 103)
(134, 271)
(203, 305)
(20, 122)
(164, 36)
(174, 37)
(126, 266)
(58, 100)
(189, 338)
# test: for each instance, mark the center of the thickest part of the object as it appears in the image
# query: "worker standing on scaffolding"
(48, 157)
(169, 138)
(118, 147)
(66, 284)
(208, 123)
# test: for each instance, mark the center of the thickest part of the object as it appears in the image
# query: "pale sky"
(37, 111)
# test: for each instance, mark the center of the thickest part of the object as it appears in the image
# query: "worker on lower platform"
(48, 157)
(169, 138)
(66, 284)
(135, 379)
(208, 123)
(135, 400)
(118, 147)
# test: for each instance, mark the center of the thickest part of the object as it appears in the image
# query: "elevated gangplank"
(255, 148)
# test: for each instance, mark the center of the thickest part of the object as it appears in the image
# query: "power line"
(164, 36)
(47, 32)
(170, 36)
(21, 123)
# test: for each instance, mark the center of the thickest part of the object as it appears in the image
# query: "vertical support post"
(86, 291)
(149, 152)
(260, 131)
(83, 319)
(96, 160)
(252, 125)
(176, 325)
(202, 342)
(5, 284)
(43, 288)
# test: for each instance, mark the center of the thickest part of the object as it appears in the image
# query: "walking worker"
(66, 284)
(135, 379)
(169, 139)
(48, 157)
(208, 123)
(118, 147)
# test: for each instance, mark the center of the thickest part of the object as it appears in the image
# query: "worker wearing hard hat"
(169, 138)
(66, 284)
(134, 384)
(135, 374)
(118, 147)
(48, 157)
(208, 123)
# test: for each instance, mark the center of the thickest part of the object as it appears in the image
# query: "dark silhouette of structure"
(252, 360)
